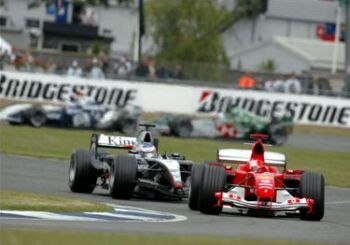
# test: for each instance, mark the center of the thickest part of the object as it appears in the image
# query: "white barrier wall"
(157, 97)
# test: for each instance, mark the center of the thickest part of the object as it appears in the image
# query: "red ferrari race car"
(261, 184)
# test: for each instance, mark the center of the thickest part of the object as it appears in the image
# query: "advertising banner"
(172, 98)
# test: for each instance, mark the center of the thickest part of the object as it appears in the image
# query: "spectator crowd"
(98, 67)
(290, 84)
(26, 61)
(147, 68)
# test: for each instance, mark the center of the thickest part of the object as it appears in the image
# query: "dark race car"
(141, 171)
(77, 115)
(256, 186)
(235, 124)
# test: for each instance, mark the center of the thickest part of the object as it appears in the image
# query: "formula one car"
(256, 186)
(77, 115)
(142, 172)
(235, 124)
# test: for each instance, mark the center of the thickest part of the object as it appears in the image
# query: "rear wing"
(110, 141)
(243, 156)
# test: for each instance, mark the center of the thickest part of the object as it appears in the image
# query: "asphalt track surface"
(319, 142)
(50, 176)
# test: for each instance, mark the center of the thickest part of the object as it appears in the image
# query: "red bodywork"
(261, 183)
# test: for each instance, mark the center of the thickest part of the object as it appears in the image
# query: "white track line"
(47, 215)
(122, 212)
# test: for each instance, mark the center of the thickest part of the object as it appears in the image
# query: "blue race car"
(78, 115)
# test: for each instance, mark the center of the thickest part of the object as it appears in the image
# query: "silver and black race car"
(140, 172)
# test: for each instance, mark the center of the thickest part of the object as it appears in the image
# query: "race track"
(319, 142)
(50, 176)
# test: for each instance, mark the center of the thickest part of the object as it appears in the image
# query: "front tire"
(196, 181)
(312, 186)
(123, 176)
(214, 179)
(82, 175)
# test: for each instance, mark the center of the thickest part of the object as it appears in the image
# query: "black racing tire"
(278, 135)
(182, 128)
(312, 186)
(128, 126)
(123, 176)
(213, 181)
(196, 181)
(82, 175)
(37, 118)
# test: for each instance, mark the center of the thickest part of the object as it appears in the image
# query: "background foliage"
(179, 30)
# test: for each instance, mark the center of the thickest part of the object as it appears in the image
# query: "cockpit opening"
(259, 149)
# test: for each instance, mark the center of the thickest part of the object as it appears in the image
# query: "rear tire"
(123, 177)
(128, 126)
(82, 175)
(278, 135)
(312, 186)
(196, 181)
(182, 128)
(37, 118)
(214, 179)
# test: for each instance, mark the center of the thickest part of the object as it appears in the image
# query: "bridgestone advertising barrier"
(171, 98)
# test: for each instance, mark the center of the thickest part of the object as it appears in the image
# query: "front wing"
(285, 202)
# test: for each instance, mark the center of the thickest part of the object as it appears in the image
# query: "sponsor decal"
(117, 141)
(157, 97)
(113, 140)
(22, 89)
(301, 111)
(265, 177)
(227, 130)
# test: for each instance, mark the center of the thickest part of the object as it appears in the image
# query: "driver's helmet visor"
(148, 150)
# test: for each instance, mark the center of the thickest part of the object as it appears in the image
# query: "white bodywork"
(242, 156)
(13, 109)
(17, 108)
(284, 201)
(204, 127)
(173, 167)
(108, 119)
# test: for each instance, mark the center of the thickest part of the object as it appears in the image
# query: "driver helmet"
(257, 166)
(148, 150)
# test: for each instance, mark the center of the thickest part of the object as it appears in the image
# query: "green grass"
(41, 142)
(16, 200)
(334, 131)
(37, 237)
(59, 143)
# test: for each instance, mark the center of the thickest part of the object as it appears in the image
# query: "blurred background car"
(235, 124)
(88, 115)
